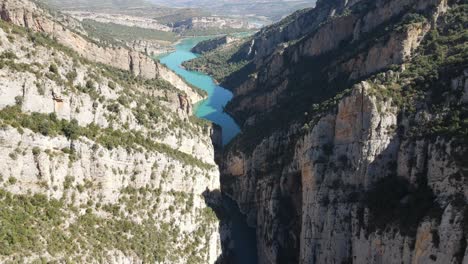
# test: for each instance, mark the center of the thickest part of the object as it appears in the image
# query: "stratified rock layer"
(321, 131)
(98, 166)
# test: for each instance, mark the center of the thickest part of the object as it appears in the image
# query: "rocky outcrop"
(341, 159)
(212, 44)
(26, 14)
(369, 50)
(306, 207)
(150, 48)
(217, 137)
(201, 23)
(362, 154)
(184, 104)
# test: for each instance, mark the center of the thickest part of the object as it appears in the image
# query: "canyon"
(141, 25)
(340, 136)
(353, 145)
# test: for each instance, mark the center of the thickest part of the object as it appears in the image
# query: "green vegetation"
(163, 14)
(50, 125)
(441, 57)
(37, 224)
(7, 59)
(124, 79)
(180, 14)
(12, 180)
(262, 10)
(425, 82)
(128, 80)
(219, 63)
(53, 68)
(33, 225)
(113, 33)
(101, 5)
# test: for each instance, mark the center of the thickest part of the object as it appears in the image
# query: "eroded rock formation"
(97, 166)
(343, 156)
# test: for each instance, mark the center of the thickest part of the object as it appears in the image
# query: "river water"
(212, 109)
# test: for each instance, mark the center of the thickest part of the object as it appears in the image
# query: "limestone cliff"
(26, 14)
(212, 22)
(354, 143)
(212, 44)
(98, 165)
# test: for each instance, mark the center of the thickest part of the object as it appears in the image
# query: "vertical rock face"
(217, 136)
(95, 169)
(343, 160)
(212, 44)
(369, 49)
(28, 15)
(185, 104)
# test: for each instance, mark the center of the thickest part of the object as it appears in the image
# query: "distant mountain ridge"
(144, 26)
(104, 4)
(271, 9)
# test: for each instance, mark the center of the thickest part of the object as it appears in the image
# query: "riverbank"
(212, 108)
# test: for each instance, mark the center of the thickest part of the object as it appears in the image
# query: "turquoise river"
(244, 248)
(213, 107)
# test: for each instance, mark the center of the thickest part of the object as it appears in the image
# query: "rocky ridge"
(208, 22)
(150, 47)
(120, 19)
(212, 44)
(26, 14)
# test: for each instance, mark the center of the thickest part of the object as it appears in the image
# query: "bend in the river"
(211, 108)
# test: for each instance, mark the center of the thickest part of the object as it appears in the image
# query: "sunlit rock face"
(95, 168)
(323, 136)
(26, 14)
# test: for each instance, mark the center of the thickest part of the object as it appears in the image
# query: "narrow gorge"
(354, 132)
(239, 241)
(338, 134)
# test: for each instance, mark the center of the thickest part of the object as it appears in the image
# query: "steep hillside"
(102, 161)
(212, 44)
(354, 144)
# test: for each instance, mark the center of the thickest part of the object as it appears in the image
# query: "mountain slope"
(66, 32)
(99, 164)
(354, 119)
